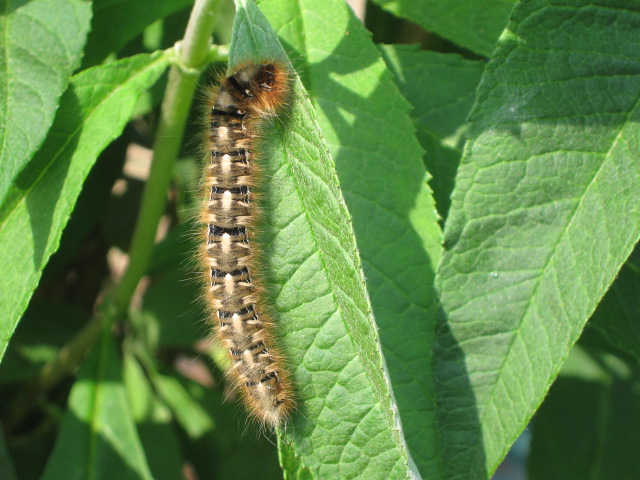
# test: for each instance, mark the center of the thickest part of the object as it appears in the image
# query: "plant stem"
(193, 53)
(182, 82)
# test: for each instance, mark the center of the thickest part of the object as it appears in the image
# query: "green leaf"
(41, 45)
(442, 89)
(235, 446)
(346, 425)
(160, 401)
(473, 24)
(93, 111)
(346, 74)
(188, 413)
(617, 317)
(94, 201)
(154, 422)
(292, 466)
(7, 472)
(588, 425)
(131, 17)
(172, 311)
(45, 328)
(544, 213)
(98, 438)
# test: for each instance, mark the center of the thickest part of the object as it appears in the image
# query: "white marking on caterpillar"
(239, 110)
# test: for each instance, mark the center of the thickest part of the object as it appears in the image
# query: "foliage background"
(416, 353)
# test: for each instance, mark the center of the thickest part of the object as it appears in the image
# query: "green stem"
(193, 53)
(183, 78)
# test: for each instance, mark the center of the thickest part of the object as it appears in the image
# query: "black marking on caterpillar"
(239, 108)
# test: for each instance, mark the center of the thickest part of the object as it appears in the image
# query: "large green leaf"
(473, 24)
(98, 438)
(131, 17)
(588, 425)
(442, 89)
(544, 213)
(366, 123)
(41, 45)
(346, 425)
(93, 111)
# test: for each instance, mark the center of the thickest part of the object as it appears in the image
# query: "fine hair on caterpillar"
(240, 110)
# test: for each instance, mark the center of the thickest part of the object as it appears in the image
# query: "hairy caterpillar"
(239, 109)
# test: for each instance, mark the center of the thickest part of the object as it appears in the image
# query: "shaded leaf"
(236, 447)
(442, 89)
(7, 472)
(171, 306)
(46, 327)
(98, 438)
(473, 24)
(154, 423)
(131, 17)
(617, 317)
(587, 426)
(93, 111)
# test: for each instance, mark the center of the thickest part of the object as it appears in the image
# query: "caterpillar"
(239, 110)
